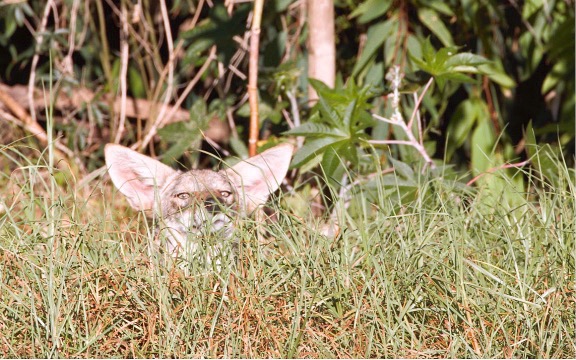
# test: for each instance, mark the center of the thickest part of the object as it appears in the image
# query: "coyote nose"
(212, 204)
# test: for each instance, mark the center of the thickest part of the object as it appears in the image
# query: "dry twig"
(135, 108)
(24, 120)
(159, 122)
(170, 65)
(500, 167)
(397, 119)
(124, 49)
(36, 58)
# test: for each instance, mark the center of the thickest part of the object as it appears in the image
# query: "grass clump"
(442, 272)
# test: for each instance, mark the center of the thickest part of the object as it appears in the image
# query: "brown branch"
(135, 108)
(491, 109)
(418, 102)
(24, 120)
(253, 77)
(170, 65)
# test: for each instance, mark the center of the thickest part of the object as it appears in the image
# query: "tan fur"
(191, 205)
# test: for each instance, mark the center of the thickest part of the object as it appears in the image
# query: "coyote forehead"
(196, 203)
(195, 187)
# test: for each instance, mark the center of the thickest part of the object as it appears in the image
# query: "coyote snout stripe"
(190, 205)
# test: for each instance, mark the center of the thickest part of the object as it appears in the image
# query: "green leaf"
(544, 158)
(431, 20)
(348, 118)
(375, 74)
(496, 73)
(181, 136)
(375, 37)
(333, 160)
(199, 113)
(325, 94)
(19, 16)
(244, 110)
(441, 6)
(338, 120)
(363, 120)
(448, 65)
(311, 149)
(428, 51)
(423, 65)
(220, 28)
(316, 129)
(370, 10)
(394, 181)
(239, 148)
(461, 123)
(185, 135)
(434, 62)
(403, 169)
(414, 47)
(265, 110)
(483, 140)
(530, 138)
(465, 69)
(558, 73)
(136, 83)
(531, 7)
(456, 77)
(9, 29)
(467, 59)
(441, 59)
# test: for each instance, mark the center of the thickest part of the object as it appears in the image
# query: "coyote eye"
(183, 196)
(225, 194)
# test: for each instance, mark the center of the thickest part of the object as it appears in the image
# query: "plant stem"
(253, 77)
(395, 77)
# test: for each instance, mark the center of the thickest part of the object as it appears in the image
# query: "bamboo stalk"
(253, 77)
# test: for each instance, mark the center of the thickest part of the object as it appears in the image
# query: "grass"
(441, 273)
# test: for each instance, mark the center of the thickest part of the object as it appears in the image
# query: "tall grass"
(445, 273)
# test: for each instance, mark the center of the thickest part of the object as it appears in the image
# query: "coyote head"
(193, 204)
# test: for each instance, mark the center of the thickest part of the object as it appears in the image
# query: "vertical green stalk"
(105, 60)
(105, 55)
(53, 309)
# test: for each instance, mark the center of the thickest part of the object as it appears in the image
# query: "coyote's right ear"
(136, 175)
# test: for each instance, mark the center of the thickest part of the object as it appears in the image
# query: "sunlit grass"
(447, 273)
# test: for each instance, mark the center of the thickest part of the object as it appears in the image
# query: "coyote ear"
(259, 176)
(136, 175)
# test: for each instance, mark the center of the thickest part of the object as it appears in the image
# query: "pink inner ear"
(139, 194)
(136, 175)
(142, 197)
(256, 178)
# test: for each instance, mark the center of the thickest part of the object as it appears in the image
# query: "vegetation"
(430, 213)
(448, 272)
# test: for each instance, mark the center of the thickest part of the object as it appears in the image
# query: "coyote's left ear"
(259, 176)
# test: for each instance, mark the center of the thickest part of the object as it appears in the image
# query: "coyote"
(189, 206)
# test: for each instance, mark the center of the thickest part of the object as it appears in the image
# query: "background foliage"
(526, 80)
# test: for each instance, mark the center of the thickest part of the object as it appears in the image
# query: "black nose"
(212, 204)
